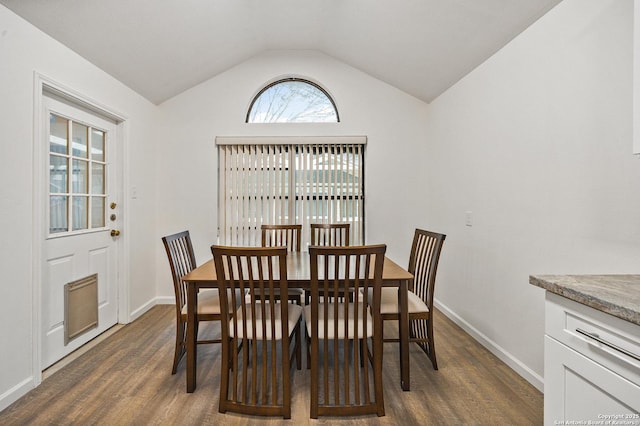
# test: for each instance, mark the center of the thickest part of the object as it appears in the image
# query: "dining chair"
(330, 234)
(182, 261)
(346, 337)
(423, 264)
(256, 341)
(288, 236)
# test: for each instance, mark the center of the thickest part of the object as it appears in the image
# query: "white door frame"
(42, 85)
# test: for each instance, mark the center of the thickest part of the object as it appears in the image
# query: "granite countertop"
(618, 295)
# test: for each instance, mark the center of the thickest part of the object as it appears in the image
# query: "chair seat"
(352, 312)
(294, 313)
(389, 302)
(209, 302)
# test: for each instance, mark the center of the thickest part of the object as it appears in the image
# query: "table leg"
(192, 302)
(404, 335)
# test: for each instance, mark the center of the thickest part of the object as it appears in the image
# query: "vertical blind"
(289, 181)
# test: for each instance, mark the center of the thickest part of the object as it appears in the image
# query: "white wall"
(23, 50)
(536, 142)
(187, 166)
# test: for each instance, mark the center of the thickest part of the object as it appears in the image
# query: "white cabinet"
(592, 366)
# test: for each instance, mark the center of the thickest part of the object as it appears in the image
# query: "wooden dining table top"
(298, 272)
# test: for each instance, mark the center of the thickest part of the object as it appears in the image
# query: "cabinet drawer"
(608, 340)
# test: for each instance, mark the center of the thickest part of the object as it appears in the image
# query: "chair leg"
(313, 365)
(299, 344)
(400, 334)
(180, 346)
(224, 376)
(432, 346)
(308, 340)
(426, 343)
(377, 377)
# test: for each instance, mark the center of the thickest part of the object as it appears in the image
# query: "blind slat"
(288, 183)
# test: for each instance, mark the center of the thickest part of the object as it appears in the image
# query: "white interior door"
(82, 216)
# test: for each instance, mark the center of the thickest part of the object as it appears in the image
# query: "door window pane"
(80, 181)
(97, 178)
(97, 145)
(80, 213)
(58, 134)
(97, 212)
(58, 213)
(58, 174)
(79, 140)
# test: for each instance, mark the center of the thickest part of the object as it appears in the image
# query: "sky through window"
(292, 101)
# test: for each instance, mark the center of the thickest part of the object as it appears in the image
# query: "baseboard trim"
(137, 313)
(16, 392)
(165, 300)
(514, 363)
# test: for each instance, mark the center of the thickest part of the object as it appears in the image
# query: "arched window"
(292, 100)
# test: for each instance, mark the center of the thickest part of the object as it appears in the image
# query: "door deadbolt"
(112, 217)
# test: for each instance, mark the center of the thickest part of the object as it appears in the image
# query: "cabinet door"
(578, 389)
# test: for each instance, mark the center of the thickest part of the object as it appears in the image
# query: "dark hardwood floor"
(126, 380)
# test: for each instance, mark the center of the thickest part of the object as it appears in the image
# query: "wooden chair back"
(346, 338)
(423, 263)
(288, 236)
(182, 261)
(256, 356)
(330, 234)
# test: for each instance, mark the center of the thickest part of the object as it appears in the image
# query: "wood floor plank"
(126, 380)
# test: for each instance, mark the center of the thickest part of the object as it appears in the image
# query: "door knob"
(115, 232)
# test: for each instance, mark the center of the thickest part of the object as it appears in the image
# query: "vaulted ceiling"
(160, 48)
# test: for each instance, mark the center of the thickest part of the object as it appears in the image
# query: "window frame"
(288, 80)
(245, 231)
(70, 194)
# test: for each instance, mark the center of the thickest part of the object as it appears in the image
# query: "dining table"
(298, 276)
